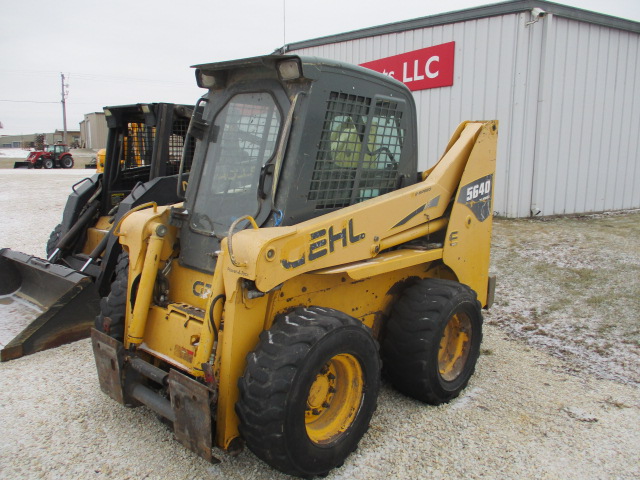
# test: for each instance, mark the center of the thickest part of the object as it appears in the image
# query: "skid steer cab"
(307, 248)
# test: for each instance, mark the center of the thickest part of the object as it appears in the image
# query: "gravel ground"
(533, 410)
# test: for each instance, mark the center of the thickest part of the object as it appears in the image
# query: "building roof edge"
(484, 11)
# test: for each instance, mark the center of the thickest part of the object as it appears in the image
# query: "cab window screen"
(137, 145)
(360, 146)
(177, 145)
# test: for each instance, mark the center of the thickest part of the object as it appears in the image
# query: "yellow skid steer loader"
(307, 248)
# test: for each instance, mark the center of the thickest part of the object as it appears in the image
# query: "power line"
(98, 77)
(24, 101)
(36, 101)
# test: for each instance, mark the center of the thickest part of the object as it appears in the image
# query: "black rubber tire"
(48, 163)
(412, 339)
(54, 237)
(277, 381)
(112, 314)
(66, 161)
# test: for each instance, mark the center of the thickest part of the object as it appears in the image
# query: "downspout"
(542, 113)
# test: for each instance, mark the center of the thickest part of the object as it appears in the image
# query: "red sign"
(430, 67)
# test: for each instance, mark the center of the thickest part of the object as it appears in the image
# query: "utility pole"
(64, 109)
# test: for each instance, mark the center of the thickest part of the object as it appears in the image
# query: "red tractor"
(53, 156)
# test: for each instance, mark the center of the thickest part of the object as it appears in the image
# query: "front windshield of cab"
(245, 135)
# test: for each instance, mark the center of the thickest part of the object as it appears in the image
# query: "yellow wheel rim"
(454, 346)
(334, 399)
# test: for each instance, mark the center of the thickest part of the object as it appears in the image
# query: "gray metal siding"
(94, 130)
(588, 147)
(564, 91)
(494, 79)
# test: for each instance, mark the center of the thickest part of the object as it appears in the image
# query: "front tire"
(432, 340)
(54, 237)
(112, 314)
(48, 164)
(309, 390)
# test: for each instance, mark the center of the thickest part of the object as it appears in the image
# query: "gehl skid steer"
(252, 313)
(45, 303)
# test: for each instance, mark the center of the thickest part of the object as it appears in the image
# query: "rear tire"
(66, 162)
(309, 391)
(112, 314)
(432, 340)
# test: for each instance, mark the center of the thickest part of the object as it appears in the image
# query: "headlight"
(290, 69)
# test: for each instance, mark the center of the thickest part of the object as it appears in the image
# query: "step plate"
(191, 402)
(109, 357)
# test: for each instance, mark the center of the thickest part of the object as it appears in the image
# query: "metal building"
(94, 131)
(563, 82)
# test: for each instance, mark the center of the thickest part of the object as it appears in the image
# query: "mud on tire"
(432, 340)
(309, 390)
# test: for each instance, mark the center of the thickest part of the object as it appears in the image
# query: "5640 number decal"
(477, 196)
(476, 191)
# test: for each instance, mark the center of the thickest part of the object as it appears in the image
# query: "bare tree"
(39, 143)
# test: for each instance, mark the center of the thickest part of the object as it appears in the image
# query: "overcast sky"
(115, 52)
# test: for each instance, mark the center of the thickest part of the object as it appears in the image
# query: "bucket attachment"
(22, 165)
(42, 305)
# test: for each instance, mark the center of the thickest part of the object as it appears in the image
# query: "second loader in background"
(49, 302)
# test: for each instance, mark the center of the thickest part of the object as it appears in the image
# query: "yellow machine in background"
(252, 313)
(100, 156)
